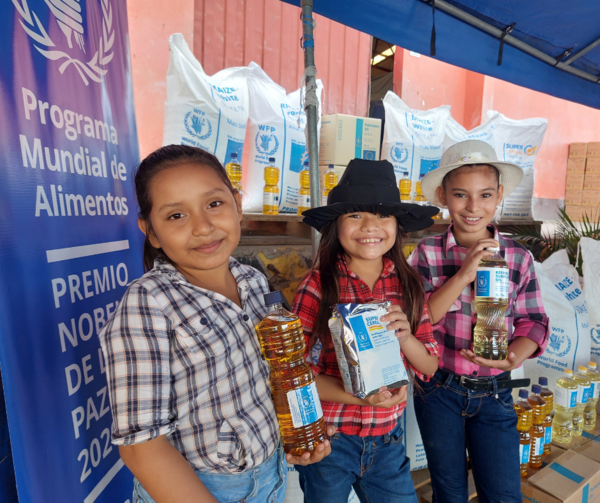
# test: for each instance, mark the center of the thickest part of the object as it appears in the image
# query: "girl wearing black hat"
(360, 260)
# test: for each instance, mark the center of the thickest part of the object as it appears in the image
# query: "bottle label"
(566, 398)
(548, 435)
(538, 446)
(323, 200)
(595, 390)
(492, 282)
(304, 201)
(270, 199)
(583, 393)
(305, 406)
(524, 453)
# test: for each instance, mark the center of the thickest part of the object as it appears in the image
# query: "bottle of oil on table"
(304, 190)
(537, 429)
(525, 420)
(548, 397)
(271, 190)
(405, 186)
(590, 410)
(565, 400)
(292, 384)
(330, 180)
(583, 394)
(234, 171)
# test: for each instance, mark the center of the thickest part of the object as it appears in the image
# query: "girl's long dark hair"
(156, 162)
(330, 250)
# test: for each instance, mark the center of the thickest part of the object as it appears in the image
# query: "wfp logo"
(595, 333)
(266, 143)
(399, 153)
(362, 337)
(482, 281)
(197, 125)
(530, 150)
(306, 402)
(69, 17)
(559, 344)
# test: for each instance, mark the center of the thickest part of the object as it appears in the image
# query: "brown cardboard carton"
(575, 181)
(590, 449)
(531, 493)
(590, 198)
(576, 165)
(578, 149)
(591, 181)
(574, 212)
(592, 165)
(573, 197)
(570, 478)
(593, 149)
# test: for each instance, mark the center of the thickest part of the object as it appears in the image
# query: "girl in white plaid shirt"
(193, 414)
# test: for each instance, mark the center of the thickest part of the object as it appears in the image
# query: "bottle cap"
(568, 371)
(331, 166)
(233, 155)
(271, 159)
(543, 381)
(273, 298)
(592, 365)
(306, 164)
(523, 393)
(582, 367)
(536, 388)
(405, 173)
(495, 249)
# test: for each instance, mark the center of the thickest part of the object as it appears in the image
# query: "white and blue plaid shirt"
(185, 362)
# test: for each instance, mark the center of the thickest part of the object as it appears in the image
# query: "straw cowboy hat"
(370, 186)
(466, 153)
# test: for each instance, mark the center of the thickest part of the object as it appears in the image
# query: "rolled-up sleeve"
(530, 319)
(425, 335)
(136, 349)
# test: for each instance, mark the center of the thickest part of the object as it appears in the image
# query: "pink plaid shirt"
(439, 258)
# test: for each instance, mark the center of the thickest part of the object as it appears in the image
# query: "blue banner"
(69, 242)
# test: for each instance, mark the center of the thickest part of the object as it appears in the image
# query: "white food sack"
(590, 253)
(455, 132)
(518, 141)
(413, 139)
(203, 111)
(276, 129)
(565, 305)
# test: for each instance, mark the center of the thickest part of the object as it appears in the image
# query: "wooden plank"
(420, 478)
(259, 217)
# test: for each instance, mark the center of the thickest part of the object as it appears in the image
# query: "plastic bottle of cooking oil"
(548, 397)
(271, 191)
(419, 197)
(491, 298)
(565, 400)
(525, 421)
(594, 377)
(304, 191)
(234, 171)
(292, 384)
(330, 180)
(405, 186)
(537, 429)
(583, 394)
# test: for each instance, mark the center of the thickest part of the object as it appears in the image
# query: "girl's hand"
(317, 455)
(398, 322)
(468, 271)
(510, 363)
(386, 399)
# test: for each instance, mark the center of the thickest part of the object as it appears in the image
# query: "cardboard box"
(590, 449)
(345, 137)
(578, 150)
(576, 165)
(592, 165)
(575, 181)
(570, 478)
(575, 213)
(593, 149)
(591, 181)
(590, 198)
(573, 197)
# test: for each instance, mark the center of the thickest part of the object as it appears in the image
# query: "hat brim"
(411, 217)
(510, 177)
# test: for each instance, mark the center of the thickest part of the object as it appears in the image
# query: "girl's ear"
(441, 193)
(148, 232)
(500, 194)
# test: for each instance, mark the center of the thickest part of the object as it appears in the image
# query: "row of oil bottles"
(574, 401)
(330, 180)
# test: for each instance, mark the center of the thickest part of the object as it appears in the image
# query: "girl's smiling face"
(471, 195)
(195, 218)
(365, 236)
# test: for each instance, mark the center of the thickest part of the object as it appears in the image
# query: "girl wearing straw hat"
(468, 400)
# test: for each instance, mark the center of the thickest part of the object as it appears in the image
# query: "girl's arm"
(164, 472)
(442, 299)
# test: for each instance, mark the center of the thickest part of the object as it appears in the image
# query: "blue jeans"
(377, 468)
(264, 484)
(452, 419)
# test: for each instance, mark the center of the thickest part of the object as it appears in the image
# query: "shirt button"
(204, 321)
(245, 317)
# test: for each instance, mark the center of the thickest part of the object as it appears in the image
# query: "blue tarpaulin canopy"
(550, 46)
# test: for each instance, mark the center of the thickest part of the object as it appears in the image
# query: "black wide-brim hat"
(370, 186)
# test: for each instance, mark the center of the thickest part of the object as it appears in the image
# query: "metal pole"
(312, 119)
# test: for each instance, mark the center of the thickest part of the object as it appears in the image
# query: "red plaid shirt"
(355, 419)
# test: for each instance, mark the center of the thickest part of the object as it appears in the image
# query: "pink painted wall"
(150, 24)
